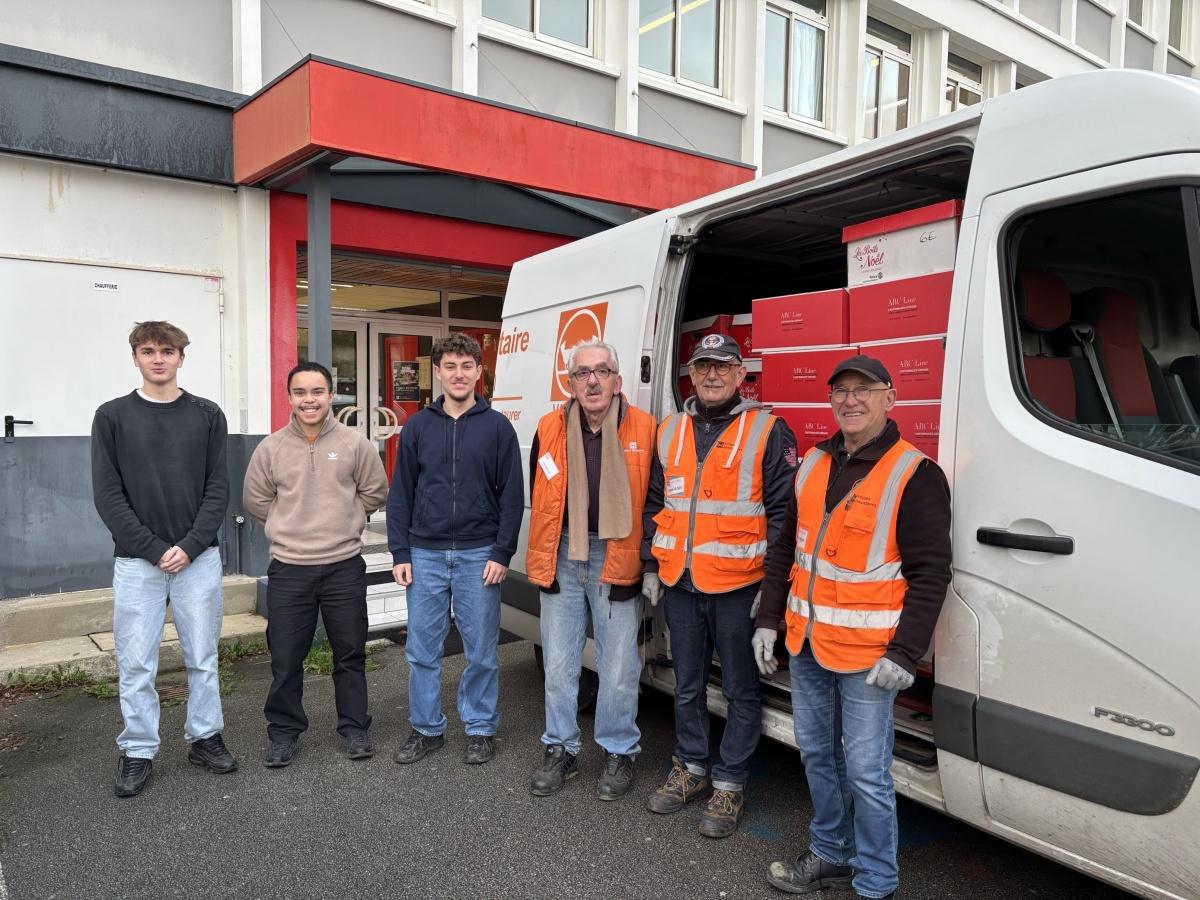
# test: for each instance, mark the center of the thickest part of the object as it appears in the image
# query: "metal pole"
(320, 322)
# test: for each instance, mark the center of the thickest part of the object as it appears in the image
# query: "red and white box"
(908, 307)
(904, 245)
(811, 423)
(800, 320)
(740, 330)
(801, 376)
(691, 333)
(919, 424)
(916, 365)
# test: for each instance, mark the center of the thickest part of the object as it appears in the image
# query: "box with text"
(909, 307)
(801, 376)
(800, 320)
(904, 245)
(915, 365)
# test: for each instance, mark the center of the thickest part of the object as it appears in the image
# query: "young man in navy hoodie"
(453, 516)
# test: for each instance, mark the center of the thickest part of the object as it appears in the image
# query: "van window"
(1106, 336)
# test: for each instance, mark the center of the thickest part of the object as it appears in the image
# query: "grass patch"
(320, 660)
(102, 690)
(230, 652)
(56, 679)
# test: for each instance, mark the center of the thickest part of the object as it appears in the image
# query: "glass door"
(349, 368)
(401, 378)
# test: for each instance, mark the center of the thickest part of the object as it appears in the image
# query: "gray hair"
(594, 344)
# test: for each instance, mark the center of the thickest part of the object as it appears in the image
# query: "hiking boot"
(616, 778)
(722, 813)
(680, 789)
(132, 775)
(417, 747)
(210, 752)
(357, 744)
(558, 767)
(280, 752)
(807, 874)
(480, 749)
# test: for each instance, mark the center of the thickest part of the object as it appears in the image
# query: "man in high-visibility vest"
(859, 575)
(589, 467)
(719, 490)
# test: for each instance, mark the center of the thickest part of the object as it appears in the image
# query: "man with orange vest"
(862, 569)
(719, 492)
(588, 471)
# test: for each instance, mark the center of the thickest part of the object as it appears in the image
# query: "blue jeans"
(438, 575)
(140, 592)
(697, 623)
(844, 731)
(564, 630)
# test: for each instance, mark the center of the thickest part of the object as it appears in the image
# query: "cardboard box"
(915, 365)
(811, 423)
(909, 307)
(691, 333)
(800, 320)
(904, 245)
(740, 330)
(920, 424)
(751, 387)
(801, 376)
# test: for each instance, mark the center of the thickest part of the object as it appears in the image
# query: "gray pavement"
(328, 827)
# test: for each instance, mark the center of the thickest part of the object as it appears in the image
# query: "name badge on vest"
(676, 486)
(549, 469)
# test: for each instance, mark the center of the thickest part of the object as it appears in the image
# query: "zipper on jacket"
(453, 483)
(312, 456)
(812, 569)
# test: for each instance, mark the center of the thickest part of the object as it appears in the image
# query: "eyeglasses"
(705, 366)
(861, 394)
(602, 373)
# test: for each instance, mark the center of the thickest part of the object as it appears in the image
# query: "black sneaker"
(357, 745)
(558, 767)
(617, 777)
(480, 749)
(210, 752)
(132, 775)
(417, 747)
(280, 752)
(807, 874)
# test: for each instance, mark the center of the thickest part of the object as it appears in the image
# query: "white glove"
(652, 588)
(887, 675)
(754, 606)
(763, 643)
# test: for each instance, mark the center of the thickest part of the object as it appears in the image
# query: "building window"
(887, 66)
(1176, 22)
(964, 83)
(560, 21)
(1138, 10)
(682, 38)
(795, 59)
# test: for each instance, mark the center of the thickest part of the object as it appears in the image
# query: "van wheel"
(589, 682)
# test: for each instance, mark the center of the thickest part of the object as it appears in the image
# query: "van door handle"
(1014, 540)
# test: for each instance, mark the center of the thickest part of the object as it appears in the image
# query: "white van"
(1061, 706)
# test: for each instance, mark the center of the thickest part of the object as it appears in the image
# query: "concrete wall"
(191, 40)
(783, 147)
(530, 80)
(357, 32)
(688, 124)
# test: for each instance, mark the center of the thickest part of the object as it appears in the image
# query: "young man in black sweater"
(160, 485)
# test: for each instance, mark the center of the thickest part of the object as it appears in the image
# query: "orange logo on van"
(584, 323)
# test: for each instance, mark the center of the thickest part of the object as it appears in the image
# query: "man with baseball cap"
(858, 575)
(719, 488)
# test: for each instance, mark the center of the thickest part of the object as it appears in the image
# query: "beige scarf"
(616, 508)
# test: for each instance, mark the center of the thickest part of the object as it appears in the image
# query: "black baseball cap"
(864, 365)
(720, 347)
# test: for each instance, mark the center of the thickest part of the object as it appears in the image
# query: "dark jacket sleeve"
(923, 536)
(654, 503)
(777, 582)
(108, 493)
(403, 493)
(779, 472)
(510, 492)
(215, 501)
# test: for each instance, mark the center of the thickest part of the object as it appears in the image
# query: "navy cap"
(719, 347)
(864, 365)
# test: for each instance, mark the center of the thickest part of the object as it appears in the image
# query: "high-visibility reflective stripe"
(664, 541)
(666, 434)
(715, 507)
(845, 618)
(806, 467)
(732, 551)
(888, 500)
(750, 454)
(830, 572)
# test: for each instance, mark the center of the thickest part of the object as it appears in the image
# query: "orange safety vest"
(713, 521)
(847, 566)
(622, 560)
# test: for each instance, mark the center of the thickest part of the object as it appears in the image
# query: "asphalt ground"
(329, 827)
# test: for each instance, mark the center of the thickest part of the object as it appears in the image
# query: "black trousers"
(294, 595)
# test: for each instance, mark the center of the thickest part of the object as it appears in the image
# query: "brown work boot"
(721, 813)
(680, 789)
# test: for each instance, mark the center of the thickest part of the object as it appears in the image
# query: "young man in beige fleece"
(312, 484)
